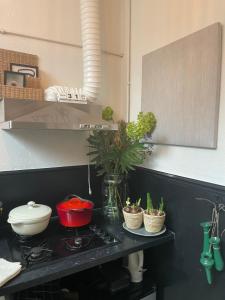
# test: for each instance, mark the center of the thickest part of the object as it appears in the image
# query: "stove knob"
(108, 239)
(93, 227)
(99, 231)
(102, 235)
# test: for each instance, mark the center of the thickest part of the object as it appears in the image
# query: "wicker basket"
(1, 77)
(31, 82)
(8, 56)
(32, 91)
(11, 92)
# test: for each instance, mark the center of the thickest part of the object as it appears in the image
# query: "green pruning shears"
(211, 255)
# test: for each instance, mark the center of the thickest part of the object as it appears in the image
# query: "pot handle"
(14, 222)
(71, 196)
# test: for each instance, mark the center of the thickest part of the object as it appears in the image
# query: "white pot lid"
(31, 211)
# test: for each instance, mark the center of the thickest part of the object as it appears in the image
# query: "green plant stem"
(120, 201)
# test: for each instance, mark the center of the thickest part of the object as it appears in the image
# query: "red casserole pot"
(74, 211)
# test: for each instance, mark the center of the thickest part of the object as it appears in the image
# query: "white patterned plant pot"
(133, 221)
(154, 223)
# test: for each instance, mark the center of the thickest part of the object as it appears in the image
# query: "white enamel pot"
(30, 219)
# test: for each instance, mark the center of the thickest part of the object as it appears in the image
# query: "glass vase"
(114, 195)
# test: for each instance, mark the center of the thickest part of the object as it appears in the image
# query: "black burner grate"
(35, 254)
(78, 242)
(58, 242)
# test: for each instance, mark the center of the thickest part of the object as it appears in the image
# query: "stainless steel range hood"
(30, 114)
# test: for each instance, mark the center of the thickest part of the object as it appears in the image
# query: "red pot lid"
(75, 203)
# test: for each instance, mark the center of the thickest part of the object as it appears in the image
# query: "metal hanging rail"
(3, 31)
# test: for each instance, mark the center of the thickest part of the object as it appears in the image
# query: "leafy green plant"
(150, 210)
(150, 207)
(134, 207)
(161, 206)
(118, 152)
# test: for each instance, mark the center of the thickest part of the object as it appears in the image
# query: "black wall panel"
(176, 267)
(46, 186)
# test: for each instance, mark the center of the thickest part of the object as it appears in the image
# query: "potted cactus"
(154, 218)
(133, 214)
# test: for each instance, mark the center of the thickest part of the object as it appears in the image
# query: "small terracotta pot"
(153, 223)
(133, 221)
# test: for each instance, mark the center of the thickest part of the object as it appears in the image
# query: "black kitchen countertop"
(62, 267)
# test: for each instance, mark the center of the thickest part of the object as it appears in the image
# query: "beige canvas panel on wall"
(180, 84)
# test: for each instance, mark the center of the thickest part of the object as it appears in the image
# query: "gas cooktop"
(57, 242)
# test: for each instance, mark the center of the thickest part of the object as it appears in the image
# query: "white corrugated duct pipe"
(91, 42)
(90, 34)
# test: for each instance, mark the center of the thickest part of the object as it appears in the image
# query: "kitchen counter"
(78, 262)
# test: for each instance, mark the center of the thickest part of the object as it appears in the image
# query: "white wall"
(60, 20)
(156, 23)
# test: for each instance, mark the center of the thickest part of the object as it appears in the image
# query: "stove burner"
(36, 254)
(58, 242)
(78, 242)
(93, 227)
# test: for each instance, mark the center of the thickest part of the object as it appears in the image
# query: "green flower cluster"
(119, 151)
(107, 114)
(146, 123)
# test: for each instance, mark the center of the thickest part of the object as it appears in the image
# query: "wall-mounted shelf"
(42, 115)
